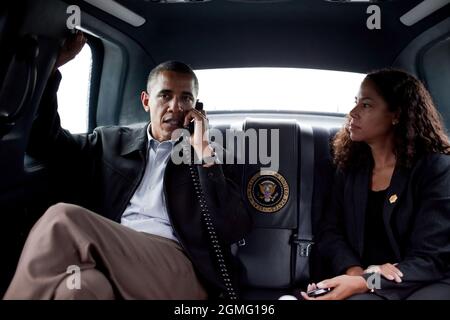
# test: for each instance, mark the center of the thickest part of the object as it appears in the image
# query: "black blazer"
(102, 170)
(417, 223)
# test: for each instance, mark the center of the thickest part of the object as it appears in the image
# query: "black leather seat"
(278, 255)
(21, 193)
(16, 93)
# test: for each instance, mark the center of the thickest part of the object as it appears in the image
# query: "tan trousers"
(113, 261)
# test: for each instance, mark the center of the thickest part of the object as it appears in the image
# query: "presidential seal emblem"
(268, 192)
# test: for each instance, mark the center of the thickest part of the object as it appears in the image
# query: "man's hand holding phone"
(197, 123)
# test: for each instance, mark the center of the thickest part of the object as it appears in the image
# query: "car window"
(73, 93)
(436, 70)
(284, 89)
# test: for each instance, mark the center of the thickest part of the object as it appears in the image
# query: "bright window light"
(73, 93)
(278, 89)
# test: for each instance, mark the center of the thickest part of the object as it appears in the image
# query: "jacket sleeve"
(221, 186)
(331, 243)
(427, 255)
(48, 140)
(68, 157)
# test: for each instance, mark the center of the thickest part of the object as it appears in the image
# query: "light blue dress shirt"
(147, 210)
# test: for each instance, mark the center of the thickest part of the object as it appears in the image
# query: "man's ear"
(145, 99)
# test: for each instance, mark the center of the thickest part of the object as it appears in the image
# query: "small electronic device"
(318, 292)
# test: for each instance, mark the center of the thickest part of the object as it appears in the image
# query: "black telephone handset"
(198, 106)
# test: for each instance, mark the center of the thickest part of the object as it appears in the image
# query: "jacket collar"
(134, 140)
(360, 192)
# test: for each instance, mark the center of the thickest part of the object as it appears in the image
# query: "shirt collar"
(152, 142)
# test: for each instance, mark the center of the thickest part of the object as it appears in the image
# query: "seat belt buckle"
(304, 246)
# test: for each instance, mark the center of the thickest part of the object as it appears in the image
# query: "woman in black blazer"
(386, 234)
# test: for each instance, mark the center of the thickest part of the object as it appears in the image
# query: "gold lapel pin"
(393, 198)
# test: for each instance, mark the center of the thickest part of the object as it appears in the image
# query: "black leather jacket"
(102, 170)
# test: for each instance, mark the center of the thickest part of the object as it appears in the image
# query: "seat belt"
(303, 239)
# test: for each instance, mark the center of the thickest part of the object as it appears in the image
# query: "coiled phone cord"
(211, 230)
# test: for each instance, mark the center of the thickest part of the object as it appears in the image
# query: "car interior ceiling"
(213, 34)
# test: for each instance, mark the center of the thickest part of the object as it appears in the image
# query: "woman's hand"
(343, 287)
(387, 270)
(355, 271)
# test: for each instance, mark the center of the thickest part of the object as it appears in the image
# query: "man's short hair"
(174, 66)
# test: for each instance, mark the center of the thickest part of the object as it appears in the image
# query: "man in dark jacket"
(160, 230)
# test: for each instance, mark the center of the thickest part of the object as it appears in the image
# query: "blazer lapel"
(360, 192)
(393, 196)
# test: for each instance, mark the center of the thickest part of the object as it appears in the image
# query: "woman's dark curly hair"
(419, 131)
